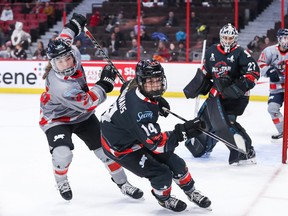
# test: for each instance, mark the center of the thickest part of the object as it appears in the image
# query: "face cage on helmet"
(69, 71)
(283, 42)
(226, 45)
(152, 94)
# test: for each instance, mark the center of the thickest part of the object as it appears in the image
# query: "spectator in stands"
(26, 8)
(19, 36)
(254, 45)
(37, 9)
(171, 20)
(95, 19)
(142, 27)
(132, 53)
(144, 36)
(50, 12)
(40, 52)
(112, 19)
(19, 53)
(79, 46)
(162, 54)
(7, 13)
(120, 37)
(265, 44)
(181, 51)
(5, 51)
(85, 42)
(195, 22)
(113, 45)
(173, 53)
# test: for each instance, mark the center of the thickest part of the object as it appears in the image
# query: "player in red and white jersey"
(68, 107)
(272, 64)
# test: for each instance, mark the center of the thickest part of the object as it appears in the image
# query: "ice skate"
(248, 159)
(199, 199)
(65, 189)
(130, 190)
(171, 203)
(277, 138)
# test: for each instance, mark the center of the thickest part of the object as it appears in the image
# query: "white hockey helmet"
(228, 37)
(282, 37)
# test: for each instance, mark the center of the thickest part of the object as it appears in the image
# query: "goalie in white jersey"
(272, 64)
(68, 107)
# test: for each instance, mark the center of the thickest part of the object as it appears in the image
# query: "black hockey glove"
(107, 79)
(222, 82)
(273, 74)
(163, 103)
(77, 23)
(232, 92)
(189, 129)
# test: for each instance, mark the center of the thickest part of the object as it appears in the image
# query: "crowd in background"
(119, 43)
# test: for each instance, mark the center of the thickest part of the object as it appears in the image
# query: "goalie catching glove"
(77, 23)
(107, 79)
(189, 129)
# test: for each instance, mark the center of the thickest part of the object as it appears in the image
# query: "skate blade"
(251, 161)
(277, 141)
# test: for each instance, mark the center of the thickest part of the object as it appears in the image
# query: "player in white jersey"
(68, 107)
(272, 64)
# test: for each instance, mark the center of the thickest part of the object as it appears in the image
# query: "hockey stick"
(197, 102)
(214, 136)
(97, 46)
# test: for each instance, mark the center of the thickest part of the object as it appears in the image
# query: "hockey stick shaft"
(207, 133)
(197, 102)
(97, 46)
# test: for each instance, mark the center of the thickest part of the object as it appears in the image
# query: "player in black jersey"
(228, 73)
(132, 137)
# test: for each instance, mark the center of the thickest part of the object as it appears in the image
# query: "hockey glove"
(232, 92)
(107, 79)
(273, 74)
(163, 103)
(77, 23)
(188, 130)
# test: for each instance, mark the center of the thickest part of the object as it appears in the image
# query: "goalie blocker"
(198, 85)
(217, 122)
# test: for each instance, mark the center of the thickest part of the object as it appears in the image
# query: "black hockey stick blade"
(214, 136)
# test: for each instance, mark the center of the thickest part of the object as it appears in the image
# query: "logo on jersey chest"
(144, 115)
(220, 69)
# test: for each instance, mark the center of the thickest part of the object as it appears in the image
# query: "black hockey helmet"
(148, 69)
(228, 31)
(282, 37)
(58, 49)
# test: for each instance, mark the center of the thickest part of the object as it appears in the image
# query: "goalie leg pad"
(198, 85)
(202, 144)
(223, 128)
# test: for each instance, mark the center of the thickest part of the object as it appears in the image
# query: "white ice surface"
(27, 186)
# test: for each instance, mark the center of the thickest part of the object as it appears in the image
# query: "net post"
(285, 128)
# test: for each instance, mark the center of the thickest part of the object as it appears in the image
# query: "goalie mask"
(62, 57)
(282, 37)
(228, 37)
(150, 78)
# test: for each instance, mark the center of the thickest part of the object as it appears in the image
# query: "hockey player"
(272, 64)
(132, 137)
(228, 73)
(68, 107)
